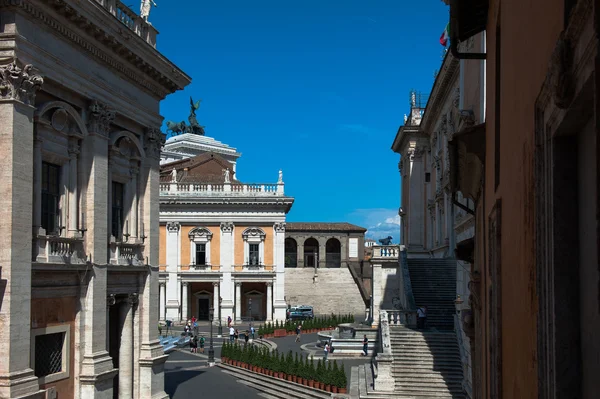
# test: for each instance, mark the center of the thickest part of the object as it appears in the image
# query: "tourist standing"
(326, 351)
(365, 345)
(236, 334)
(298, 332)
(194, 344)
(252, 332)
(202, 340)
(228, 321)
(421, 317)
(246, 337)
(231, 334)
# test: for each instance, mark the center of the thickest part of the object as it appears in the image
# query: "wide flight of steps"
(427, 364)
(433, 284)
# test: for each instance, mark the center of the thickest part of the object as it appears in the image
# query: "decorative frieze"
(100, 117)
(19, 84)
(227, 227)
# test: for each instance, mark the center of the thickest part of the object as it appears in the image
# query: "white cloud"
(380, 222)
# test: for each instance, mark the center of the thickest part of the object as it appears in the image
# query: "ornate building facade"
(222, 242)
(80, 86)
(435, 220)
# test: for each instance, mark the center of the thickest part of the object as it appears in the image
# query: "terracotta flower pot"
(342, 390)
(294, 378)
(328, 388)
(334, 389)
(290, 378)
(311, 383)
(321, 385)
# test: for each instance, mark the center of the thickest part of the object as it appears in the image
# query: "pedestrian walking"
(365, 345)
(236, 334)
(326, 351)
(252, 332)
(194, 344)
(298, 332)
(231, 334)
(228, 321)
(246, 337)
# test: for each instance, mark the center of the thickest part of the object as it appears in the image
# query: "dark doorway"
(114, 343)
(291, 252)
(203, 308)
(333, 253)
(311, 253)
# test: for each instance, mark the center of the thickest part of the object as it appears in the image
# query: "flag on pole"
(445, 36)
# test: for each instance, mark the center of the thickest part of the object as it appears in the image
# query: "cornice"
(440, 91)
(125, 46)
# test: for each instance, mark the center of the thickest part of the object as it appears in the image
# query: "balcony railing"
(203, 268)
(126, 254)
(386, 251)
(131, 20)
(406, 318)
(202, 190)
(55, 249)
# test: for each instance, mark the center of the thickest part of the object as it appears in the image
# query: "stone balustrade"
(229, 189)
(386, 251)
(55, 249)
(406, 318)
(131, 20)
(384, 379)
(201, 268)
(126, 254)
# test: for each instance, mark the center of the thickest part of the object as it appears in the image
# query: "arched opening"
(311, 253)
(291, 252)
(333, 253)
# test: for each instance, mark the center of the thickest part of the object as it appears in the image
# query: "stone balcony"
(57, 249)
(200, 268)
(219, 190)
(126, 253)
(386, 252)
(130, 19)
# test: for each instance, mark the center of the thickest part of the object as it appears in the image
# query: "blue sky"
(317, 88)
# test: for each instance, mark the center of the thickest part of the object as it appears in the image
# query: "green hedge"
(323, 322)
(328, 373)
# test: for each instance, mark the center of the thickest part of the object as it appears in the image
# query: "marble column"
(300, 260)
(126, 351)
(73, 208)
(184, 303)
(269, 302)
(172, 295)
(238, 302)
(215, 304)
(37, 186)
(162, 301)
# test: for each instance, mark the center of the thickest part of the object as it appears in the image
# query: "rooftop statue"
(145, 8)
(194, 127)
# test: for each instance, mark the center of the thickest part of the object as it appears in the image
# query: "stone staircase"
(333, 291)
(427, 364)
(434, 285)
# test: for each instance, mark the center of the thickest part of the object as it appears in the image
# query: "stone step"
(430, 384)
(274, 386)
(432, 391)
(439, 351)
(446, 375)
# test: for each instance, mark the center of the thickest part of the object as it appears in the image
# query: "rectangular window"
(201, 254)
(427, 177)
(50, 198)
(117, 210)
(254, 254)
(50, 353)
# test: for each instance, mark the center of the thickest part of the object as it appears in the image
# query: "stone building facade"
(221, 240)
(532, 172)
(80, 86)
(434, 218)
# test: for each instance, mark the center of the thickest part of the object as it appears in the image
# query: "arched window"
(333, 253)
(254, 246)
(200, 238)
(291, 252)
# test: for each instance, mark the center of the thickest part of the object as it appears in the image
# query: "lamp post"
(220, 330)
(211, 350)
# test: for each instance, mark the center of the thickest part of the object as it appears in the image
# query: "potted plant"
(334, 377)
(342, 380)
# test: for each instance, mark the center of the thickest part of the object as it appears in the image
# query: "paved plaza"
(188, 373)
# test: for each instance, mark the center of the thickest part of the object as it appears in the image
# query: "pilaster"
(226, 257)
(17, 95)
(173, 231)
(238, 302)
(416, 197)
(279, 305)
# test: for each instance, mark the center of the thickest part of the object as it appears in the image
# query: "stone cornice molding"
(441, 91)
(100, 117)
(115, 38)
(19, 84)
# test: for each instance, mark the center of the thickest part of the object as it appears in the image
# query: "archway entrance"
(291, 252)
(311, 253)
(333, 254)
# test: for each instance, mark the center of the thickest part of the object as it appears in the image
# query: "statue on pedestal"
(226, 175)
(174, 176)
(180, 127)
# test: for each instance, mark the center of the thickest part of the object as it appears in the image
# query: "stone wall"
(333, 291)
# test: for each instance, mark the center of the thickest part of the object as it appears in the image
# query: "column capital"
(73, 151)
(279, 227)
(173, 227)
(215, 285)
(162, 284)
(269, 283)
(100, 116)
(154, 141)
(19, 84)
(185, 283)
(111, 300)
(227, 227)
(237, 284)
(132, 298)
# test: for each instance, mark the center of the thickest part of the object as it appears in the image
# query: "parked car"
(300, 312)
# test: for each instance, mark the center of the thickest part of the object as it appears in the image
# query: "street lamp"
(220, 330)
(211, 350)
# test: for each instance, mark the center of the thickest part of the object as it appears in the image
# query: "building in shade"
(222, 241)
(80, 87)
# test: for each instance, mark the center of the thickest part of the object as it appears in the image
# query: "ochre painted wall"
(268, 245)
(239, 244)
(524, 65)
(54, 312)
(185, 245)
(162, 246)
(215, 245)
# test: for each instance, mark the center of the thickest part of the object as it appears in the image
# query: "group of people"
(234, 334)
